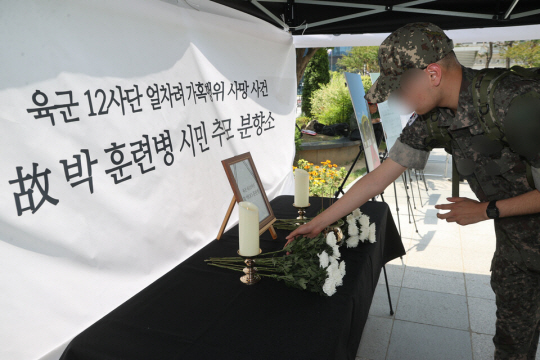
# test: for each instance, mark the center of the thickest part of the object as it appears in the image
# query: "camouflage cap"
(414, 45)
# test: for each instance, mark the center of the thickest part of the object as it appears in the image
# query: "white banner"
(115, 116)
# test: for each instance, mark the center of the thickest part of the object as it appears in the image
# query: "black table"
(197, 311)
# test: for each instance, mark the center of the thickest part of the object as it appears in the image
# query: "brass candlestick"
(336, 229)
(301, 212)
(250, 270)
(337, 232)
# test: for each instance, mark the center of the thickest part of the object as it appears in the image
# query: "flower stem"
(270, 269)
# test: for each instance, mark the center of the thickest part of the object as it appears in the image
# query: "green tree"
(303, 55)
(527, 53)
(316, 75)
(488, 50)
(332, 104)
(366, 81)
(360, 59)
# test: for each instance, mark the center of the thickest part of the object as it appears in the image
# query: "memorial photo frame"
(247, 186)
(363, 117)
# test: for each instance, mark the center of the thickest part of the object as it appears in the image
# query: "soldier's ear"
(434, 72)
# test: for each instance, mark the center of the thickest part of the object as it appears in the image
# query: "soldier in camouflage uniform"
(418, 66)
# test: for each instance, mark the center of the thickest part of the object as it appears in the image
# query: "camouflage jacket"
(493, 172)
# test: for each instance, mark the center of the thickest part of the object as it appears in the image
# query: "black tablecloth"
(197, 311)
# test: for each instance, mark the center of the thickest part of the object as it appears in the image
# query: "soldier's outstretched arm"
(367, 187)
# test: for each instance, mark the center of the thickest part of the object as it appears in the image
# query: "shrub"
(316, 74)
(297, 140)
(332, 104)
(302, 121)
(366, 81)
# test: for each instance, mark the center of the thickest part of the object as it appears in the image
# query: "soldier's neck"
(451, 89)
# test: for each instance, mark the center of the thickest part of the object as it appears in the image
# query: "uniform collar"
(465, 115)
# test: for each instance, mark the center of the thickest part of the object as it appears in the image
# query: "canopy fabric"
(512, 33)
(317, 17)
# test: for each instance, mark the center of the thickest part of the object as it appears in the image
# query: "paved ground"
(443, 302)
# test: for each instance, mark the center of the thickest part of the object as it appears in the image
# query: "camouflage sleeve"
(410, 149)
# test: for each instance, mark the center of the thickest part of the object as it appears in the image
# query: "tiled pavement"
(441, 294)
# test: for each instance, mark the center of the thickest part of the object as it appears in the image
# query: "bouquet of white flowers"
(309, 264)
(358, 229)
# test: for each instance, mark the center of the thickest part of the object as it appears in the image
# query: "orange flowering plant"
(324, 179)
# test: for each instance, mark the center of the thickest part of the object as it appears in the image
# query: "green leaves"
(527, 53)
(316, 74)
(300, 269)
(360, 59)
(331, 104)
(312, 264)
(289, 224)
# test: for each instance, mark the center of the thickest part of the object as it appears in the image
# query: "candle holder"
(301, 212)
(250, 270)
(336, 229)
(337, 232)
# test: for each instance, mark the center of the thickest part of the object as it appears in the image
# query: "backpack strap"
(455, 179)
(530, 73)
(435, 133)
(484, 84)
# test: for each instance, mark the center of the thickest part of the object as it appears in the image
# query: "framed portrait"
(246, 185)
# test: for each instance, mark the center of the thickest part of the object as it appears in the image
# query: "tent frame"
(375, 9)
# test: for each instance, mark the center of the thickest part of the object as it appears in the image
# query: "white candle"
(301, 188)
(248, 228)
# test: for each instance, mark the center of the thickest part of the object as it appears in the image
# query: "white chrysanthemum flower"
(323, 259)
(329, 286)
(338, 278)
(352, 230)
(335, 252)
(364, 234)
(372, 235)
(331, 238)
(357, 213)
(342, 268)
(364, 221)
(352, 241)
(350, 218)
(335, 273)
(364, 228)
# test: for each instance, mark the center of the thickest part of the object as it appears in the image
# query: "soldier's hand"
(463, 211)
(309, 230)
